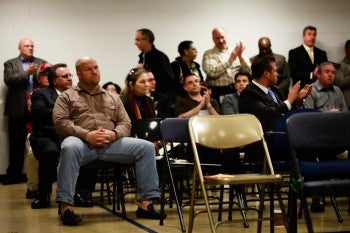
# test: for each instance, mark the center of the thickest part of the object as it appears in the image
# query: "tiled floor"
(16, 216)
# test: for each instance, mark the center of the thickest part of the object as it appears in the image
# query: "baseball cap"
(44, 66)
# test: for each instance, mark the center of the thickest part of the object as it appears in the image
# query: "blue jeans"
(127, 150)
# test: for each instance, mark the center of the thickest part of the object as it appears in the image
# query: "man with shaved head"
(95, 126)
(20, 77)
(221, 64)
(283, 77)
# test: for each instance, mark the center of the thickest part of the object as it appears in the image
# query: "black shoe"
(83, 201)
(32, 194)
(41, 203)
(317, 207)
(14, 180)
(151, 213)
(69, 218)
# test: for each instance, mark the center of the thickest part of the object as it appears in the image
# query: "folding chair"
(315, 139)
(173, 130)
(226, 132)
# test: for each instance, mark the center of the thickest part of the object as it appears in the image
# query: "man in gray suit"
(20, 77)
(284, 77)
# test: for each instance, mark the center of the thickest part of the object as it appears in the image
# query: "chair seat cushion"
(335, 168)
(327, 188)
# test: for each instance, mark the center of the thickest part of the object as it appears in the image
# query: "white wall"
(65, 30)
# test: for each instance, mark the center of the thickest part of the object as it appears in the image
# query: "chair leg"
(283, 208)
(336, 209)
(242, 204)
(172, 192)
(307, 215)
(191, 213)
(261, 208)
(221, 199)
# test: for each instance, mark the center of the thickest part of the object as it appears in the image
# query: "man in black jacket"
(156, 61)
(44, 139)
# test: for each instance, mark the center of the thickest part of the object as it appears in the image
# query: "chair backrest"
(227, 131)
(315, 133)
(277, 138)
(148, 129)
(175, 130)
(223, 132)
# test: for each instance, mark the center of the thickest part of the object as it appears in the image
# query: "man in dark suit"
(20, 76)
(257, 100)
(304, 60)
(44, 139)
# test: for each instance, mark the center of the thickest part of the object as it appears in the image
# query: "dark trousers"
(17, 138)
(46, 151)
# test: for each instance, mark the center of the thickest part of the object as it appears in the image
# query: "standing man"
(95, 125)
(324, 95)
(304, 60)
(20, 76)
(221, 64)
(156, 61)
(283, 78)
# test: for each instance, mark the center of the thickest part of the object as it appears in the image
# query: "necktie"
(272, 95)
(309, 51)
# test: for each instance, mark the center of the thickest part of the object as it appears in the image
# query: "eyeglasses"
(65, 76)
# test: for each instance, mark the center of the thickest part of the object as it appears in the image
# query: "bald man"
(221, 64)
(95, 126)
(283, 77)
(20, 77)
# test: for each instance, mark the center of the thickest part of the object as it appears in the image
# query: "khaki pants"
(31, 166)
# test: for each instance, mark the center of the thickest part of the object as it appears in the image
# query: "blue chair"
(314, 139)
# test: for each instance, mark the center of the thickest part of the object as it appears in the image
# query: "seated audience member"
(185, 65)
(342, 75)
(229, 103)
(95, 125)
(195, 102)
(325, 96)
(136, 102)
(221, 64)
(31, 162)
(283, 78)
(112, 87)
(162, 106)
(44, 140)
(263, 99)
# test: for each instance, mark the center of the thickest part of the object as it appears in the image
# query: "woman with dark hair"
(184, 65)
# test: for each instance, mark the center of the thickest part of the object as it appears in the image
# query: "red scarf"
(146, 106)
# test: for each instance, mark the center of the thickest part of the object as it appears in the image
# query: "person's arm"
(192, 112)
(13, 74)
